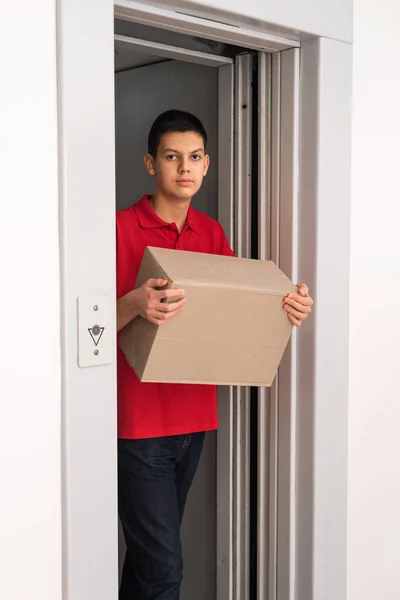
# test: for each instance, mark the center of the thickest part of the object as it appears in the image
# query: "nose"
(184, 166)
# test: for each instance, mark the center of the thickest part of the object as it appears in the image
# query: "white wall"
(374, 439)
(30, 499)
(324, 18)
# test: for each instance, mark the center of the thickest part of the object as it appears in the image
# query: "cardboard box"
(233, 329)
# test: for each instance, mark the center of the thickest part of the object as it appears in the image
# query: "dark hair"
(173, 121)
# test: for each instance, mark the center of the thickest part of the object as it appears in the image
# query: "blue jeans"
(154, 478)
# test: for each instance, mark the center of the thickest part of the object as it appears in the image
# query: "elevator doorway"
(152, 76)
(142, 92)
(229, 534)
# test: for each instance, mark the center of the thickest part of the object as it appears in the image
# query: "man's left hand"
(298, 306)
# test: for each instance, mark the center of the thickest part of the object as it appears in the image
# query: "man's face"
(180, 165)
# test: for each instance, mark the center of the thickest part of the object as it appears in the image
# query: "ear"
(150, 164)
(206, 164)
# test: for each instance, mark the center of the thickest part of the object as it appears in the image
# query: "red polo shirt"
(160, 409)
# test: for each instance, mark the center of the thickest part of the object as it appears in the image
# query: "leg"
(148, 507)
(193, 447)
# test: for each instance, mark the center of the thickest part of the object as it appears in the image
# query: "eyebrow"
(177, 151)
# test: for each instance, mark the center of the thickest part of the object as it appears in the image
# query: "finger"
(170, 307)
(296, 313)
(299, 304)
(295, 321)
(303, 289)
(156, 283)
(160, 318)
(163, 311)
(303, 300)
(171, 293)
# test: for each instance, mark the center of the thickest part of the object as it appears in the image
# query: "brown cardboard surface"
(233, 330)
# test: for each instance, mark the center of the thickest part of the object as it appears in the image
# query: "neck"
(170, 211)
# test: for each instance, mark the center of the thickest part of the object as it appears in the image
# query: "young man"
(161, 427)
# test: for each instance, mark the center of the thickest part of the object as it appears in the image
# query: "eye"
(196, 156)
(171, 156)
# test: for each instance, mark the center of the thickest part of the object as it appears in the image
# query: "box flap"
(200, 269)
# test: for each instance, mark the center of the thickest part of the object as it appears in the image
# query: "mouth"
(184, 181)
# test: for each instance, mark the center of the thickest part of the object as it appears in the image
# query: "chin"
(184, 194)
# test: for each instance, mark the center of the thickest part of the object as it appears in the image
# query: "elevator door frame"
(233, 438)
(87, 205)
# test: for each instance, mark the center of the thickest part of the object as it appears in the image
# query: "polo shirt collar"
(148, 219)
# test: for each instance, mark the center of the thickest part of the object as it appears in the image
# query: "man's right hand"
(150, 303)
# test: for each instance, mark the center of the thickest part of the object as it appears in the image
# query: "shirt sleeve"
(225, 248)
(124, 271)
(119, 274)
